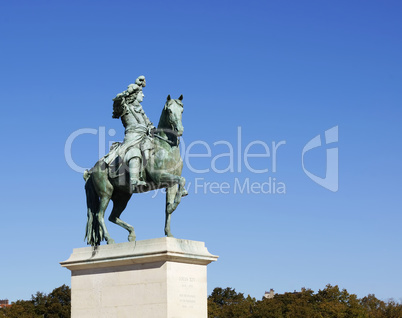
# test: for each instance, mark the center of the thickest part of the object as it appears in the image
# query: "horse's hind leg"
(119, 204)
(104, 201)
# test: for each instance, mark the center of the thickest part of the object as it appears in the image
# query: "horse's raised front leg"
(170, 196)
(173, 198)
(119, 204)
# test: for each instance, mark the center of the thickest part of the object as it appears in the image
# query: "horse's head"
(172, 113)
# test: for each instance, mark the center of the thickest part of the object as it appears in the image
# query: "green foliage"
(19, 309)
(228, 303)
(55, 305)
(331, 302)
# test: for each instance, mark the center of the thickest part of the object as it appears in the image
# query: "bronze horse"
(163, 170)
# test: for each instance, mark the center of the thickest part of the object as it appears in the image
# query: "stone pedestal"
(163, 277)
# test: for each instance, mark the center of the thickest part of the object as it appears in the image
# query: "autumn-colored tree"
(374, 307)
(331, 302)
(302, 305)
(228, 303)
(55, 305)
(19, 309)
(268, 308)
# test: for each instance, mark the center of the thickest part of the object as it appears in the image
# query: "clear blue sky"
(281, 70)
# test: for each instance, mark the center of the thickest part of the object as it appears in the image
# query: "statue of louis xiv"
(137, 144)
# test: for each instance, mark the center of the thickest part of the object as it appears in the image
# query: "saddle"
(118, 157)
(117, 168)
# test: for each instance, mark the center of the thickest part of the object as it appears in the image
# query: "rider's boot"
(134, 167)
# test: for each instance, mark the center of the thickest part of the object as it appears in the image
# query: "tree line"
(56, 304)
(331, 302)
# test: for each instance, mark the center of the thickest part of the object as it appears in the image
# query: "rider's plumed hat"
(132, 88)
(140, 81)
(139, 84)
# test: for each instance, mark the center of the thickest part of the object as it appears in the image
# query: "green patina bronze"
(148, 159)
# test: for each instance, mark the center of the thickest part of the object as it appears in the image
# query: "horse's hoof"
(110, 241)
(131, 238)
(184, 193)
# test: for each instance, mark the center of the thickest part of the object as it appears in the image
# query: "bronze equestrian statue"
(148, 159)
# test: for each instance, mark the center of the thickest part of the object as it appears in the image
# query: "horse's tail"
(93, 232)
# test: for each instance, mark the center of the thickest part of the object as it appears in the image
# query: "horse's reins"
(167, 140)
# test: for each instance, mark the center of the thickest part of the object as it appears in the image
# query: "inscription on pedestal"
(187, 297)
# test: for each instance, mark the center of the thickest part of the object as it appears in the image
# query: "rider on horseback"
(137, 142)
